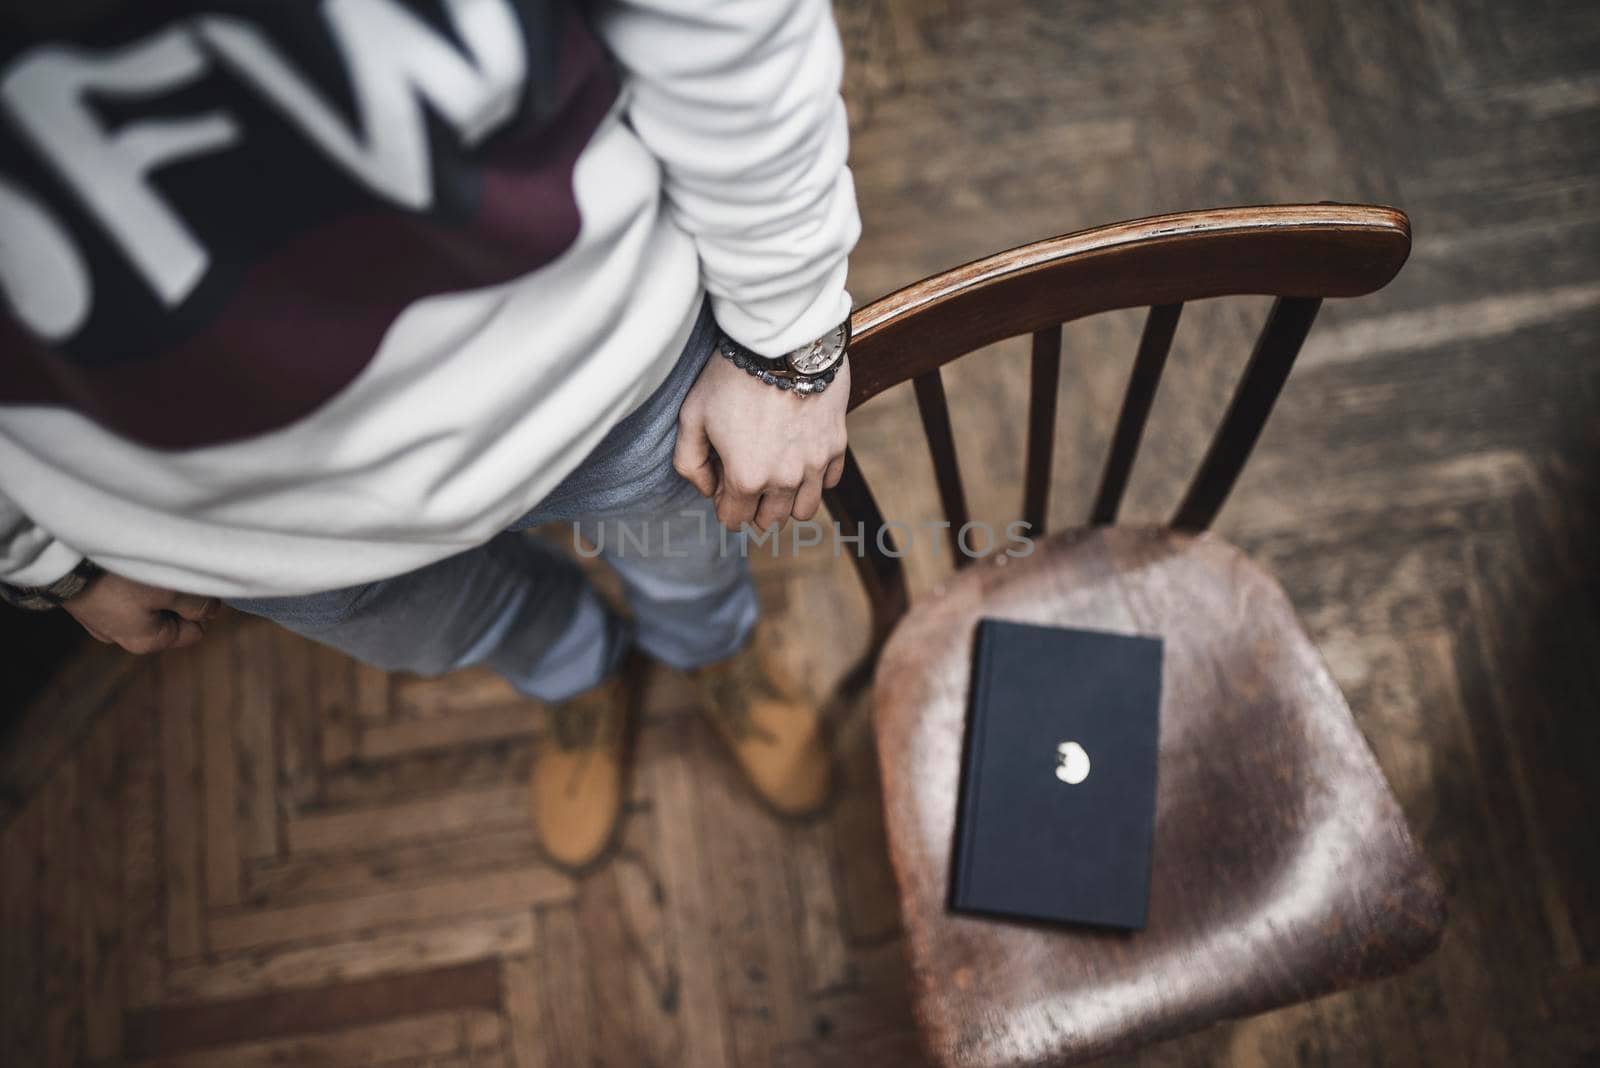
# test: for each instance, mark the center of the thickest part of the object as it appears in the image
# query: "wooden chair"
(1283, 867)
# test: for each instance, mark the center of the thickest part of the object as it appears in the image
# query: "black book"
(1058, 782)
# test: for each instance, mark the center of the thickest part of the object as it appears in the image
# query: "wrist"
(57, 593)
(803, 371)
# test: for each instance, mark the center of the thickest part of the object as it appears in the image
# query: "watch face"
(821, 354)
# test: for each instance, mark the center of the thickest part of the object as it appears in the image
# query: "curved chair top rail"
(1296, 250)
(1298, 253)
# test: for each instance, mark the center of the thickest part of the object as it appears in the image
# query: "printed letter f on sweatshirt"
(396, 64)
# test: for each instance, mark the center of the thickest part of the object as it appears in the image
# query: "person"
(314, 309)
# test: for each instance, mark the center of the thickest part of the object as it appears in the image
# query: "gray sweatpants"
(527, 610)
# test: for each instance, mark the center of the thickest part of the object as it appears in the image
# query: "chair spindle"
(877, 558)
(941, 443)
(1285, 331)
(1159, 327)
(1044, 378)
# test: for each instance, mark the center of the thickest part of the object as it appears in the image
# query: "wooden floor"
(259, 853)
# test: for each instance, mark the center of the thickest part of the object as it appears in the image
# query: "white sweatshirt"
(301, 295)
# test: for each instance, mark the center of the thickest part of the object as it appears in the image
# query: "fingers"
(736, 501)
(809, 498)
(692, 456)
(768, 504)
(166, 630)
(834, 473)
(776, 506)
(185, 632)
(194, 607)
(141, 618)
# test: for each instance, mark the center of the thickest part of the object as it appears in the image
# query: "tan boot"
(774, 733)
(579, 771)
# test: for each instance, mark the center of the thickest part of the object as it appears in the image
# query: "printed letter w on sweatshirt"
(395, 62)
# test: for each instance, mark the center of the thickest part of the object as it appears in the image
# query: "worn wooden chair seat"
(1283, 868)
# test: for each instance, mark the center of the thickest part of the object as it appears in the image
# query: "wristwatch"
(805, 370)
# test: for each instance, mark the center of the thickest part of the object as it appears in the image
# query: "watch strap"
(777, 370)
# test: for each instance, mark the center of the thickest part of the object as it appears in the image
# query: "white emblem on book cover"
(1074, 763)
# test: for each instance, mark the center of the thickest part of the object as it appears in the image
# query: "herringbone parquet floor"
(259, 853)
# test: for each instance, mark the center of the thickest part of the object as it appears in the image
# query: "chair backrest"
(1299, 254)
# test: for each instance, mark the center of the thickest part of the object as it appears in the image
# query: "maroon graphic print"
(294, 309)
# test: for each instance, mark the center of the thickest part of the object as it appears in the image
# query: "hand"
(140, 618)
(762, 453)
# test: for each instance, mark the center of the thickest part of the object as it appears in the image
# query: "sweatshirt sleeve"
(739, 100)
(29, 556)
